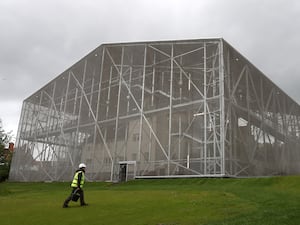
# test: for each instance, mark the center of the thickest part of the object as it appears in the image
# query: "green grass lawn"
(257, 201)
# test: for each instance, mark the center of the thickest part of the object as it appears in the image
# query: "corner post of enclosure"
(20, 125)
(205, 109)
(15, 160)
(222, 106)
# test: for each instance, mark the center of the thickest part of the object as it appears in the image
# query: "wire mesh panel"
(172, 109)
(262, 122)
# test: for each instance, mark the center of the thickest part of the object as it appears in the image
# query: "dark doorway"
(123, 173)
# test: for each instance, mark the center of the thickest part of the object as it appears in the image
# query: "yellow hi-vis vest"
(75, 180)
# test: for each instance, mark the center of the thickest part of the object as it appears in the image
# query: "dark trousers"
(80, 191)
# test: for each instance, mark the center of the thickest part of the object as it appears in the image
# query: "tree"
(5, 155)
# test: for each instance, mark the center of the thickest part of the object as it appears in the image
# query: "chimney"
(11, 147)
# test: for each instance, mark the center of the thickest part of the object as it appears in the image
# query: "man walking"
(77, 185)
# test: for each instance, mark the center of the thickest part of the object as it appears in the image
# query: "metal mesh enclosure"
(158, 109)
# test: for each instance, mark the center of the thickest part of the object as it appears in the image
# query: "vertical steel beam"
(51, 124)
(80, 107)
(153, 79)
(205, 108)
(263, 115)
(248, 144)
(106, 116)
(180, 115)
(108, 94)
(98, 101)
(230, 147)
(128, 109)
(75, 101)
(142, 104)
(170, 107)
(92, 91)
(63, 118)
(36, 123)
(222, 106)
(117, 116)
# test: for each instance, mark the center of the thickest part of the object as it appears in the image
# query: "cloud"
(41, 39)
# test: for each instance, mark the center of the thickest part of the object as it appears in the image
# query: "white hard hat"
(82, 165)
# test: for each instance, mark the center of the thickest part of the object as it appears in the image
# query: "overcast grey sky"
(39, 39)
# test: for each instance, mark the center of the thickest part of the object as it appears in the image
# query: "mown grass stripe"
(273, 200)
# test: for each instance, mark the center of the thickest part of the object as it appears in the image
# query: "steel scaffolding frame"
(194, 108)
